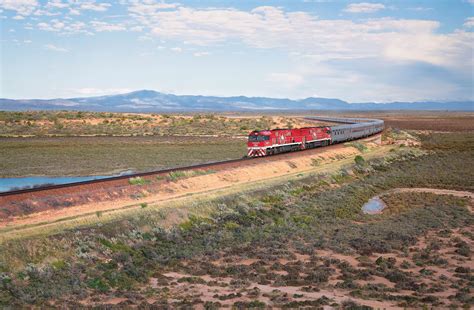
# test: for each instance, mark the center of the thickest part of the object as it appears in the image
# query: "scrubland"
(301, 243)
(69, 124)
(87, 143)
(64, 156)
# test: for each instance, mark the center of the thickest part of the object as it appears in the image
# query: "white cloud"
(58, 4)
(41, 12)
(73, 7)
(22, 7)
(420, 9)
(106, 27)
(177, 49)
(364, 7)
(147, 7)
(271, 27)
(55, 48)
(469, 23)
(18, 17)
(92, 6)
(74, 12)
(54, 25)
(200, 54)
(137, 28)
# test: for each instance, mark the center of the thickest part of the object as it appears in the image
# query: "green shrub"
(59, 264)
(176, 175)
(358, 145)
(137, 181)
(254, 304)
(98, 284)
(359, 160)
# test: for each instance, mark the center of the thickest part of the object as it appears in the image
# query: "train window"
(258, 138)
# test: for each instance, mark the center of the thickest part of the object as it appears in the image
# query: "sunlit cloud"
(22, 7)
(201, 54)
(107, 27)
(364, 7)
(469, 23)
(55, 48)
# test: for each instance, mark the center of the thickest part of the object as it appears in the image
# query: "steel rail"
(192, 167)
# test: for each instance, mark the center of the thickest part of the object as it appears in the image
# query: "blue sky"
(353, 50)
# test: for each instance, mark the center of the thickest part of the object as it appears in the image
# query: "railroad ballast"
(270, 142)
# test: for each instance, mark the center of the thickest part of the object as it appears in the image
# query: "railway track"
(185, 168)
(120, 177)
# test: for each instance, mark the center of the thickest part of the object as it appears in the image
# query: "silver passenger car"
(351, 128)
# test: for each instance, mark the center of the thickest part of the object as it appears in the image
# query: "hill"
(153, 101)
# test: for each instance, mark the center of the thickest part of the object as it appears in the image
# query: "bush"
(176, 175)
(254, 304)
(359, 160)
(358, 145)
(98, 284)
(137, 181)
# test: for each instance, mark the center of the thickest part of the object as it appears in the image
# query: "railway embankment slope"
(49, 211)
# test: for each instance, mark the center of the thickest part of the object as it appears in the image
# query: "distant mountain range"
(153, 101)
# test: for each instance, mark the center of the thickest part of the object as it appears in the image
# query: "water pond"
(373, 206)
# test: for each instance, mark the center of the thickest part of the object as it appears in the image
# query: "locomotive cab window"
(258, 138)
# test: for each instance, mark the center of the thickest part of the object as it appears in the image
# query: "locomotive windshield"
(258, 138)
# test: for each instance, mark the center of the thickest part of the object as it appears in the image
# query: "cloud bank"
(373, 55)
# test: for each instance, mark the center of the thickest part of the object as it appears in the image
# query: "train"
(270, 142)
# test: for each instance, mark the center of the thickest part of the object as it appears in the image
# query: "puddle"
(373, 206)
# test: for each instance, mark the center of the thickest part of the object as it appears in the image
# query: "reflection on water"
(374, 205)
(9, 184)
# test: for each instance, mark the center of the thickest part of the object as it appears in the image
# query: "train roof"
(269, 130)
(344, 123)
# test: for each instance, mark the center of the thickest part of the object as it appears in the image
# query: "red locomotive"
(269, 142)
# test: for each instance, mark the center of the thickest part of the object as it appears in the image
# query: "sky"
(358, 51)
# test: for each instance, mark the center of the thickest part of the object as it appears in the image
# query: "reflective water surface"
(374, 205)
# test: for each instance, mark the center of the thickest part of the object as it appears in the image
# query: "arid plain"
(285, 232)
